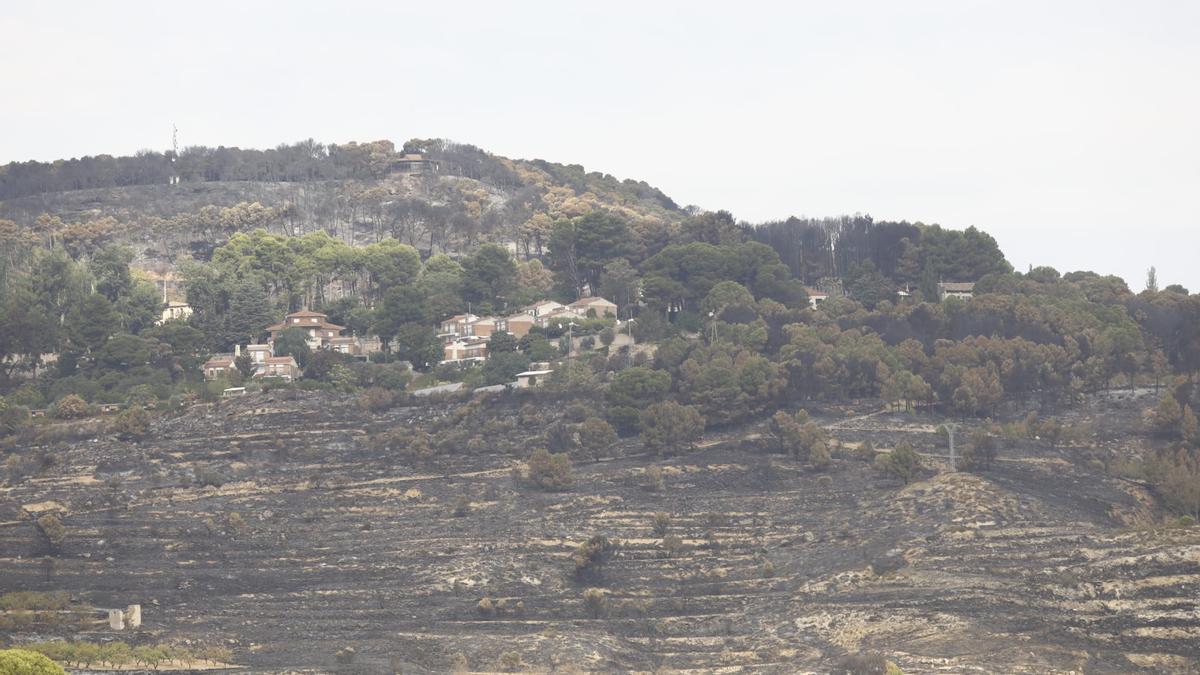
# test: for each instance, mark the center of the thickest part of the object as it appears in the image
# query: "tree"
(1189, 427)
(501, 342)
(1167, 415)
(669, 427)
(245, 364)
(25, 662)
(293, 342)
(631, 391)
(503, 367)
(1152, 280)
(581, 247)
(250, 312)
(489, 275)
(620, 283)
(596, 436)
(903, 462)
(418, 344)
(91, 323)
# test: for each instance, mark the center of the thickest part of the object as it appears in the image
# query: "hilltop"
(449, 199)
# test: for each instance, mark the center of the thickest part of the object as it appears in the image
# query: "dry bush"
(70, 407)
(660, 522)
(377, 399)
(595, 600)
(509, 662)
(550, 471)
(653, 479)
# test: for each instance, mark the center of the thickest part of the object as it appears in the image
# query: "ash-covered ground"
(314, 542)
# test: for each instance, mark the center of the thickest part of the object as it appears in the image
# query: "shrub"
(825, 481)
(671, 427)
(673, 546)
(596, 602)
(486, 607)
(345, 655)
(24, 662)
(509, 662)
(660, 522)
(767, 569)
(653, 479)
(70, 407)
(550, 471)
(818, 456)
(462, 507)
(459, 663)
(51, 526)
(577, 412)
(596, 436)
(591, 556)
(377, 399)
(903, 463)
(132, 424)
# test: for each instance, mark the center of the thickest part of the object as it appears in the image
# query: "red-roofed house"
(316, 324)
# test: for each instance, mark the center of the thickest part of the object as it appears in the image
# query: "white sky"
(1068, 130)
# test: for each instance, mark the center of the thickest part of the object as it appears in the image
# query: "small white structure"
(234, 391)
(116, 619)
(175, 310)
(133, 616)
(440, 389)
(532, 378)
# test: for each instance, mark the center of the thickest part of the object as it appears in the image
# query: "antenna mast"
(174, 180)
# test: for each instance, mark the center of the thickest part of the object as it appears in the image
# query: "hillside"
(311, 542)
(834, 445)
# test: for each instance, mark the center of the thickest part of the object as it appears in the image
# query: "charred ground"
(271, 525)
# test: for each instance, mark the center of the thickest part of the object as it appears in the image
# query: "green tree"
(669, 427)
(619, 282)
(1168, 415)
(503, 367)
(489, 275)
(581, 247)
(501, 342)
(293, 342)
(91, 323)
(631, 391)
(596, 436)
(250, 312)
(418, 344)
(24, 662)
(1189, 427)
(903, 462)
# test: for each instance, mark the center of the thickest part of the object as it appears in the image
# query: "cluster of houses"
(465, 337)
(319, 334)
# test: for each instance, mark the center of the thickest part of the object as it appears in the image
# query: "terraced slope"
(764, 567)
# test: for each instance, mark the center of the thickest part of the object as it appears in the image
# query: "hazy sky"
(1068, 130)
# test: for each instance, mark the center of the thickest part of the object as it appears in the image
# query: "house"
(218, 366)
(594, 306)
(484, 327)
(955, 289)
(465, 349)
(283, 367)
(520, 324)
(532, 378)
(175, 310)
(258, 354)
(457, 324)
(414, 163)
(315, 324)
(539, 308)
(815, 297)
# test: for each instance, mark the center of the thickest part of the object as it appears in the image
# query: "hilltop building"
(963, 290)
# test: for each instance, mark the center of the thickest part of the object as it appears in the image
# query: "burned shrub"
(52, 528)
(591, 556)
(660, 522)
(595, 600)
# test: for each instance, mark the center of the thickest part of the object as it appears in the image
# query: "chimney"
(237, 350)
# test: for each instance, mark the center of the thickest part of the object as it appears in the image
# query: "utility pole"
(950, 429)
